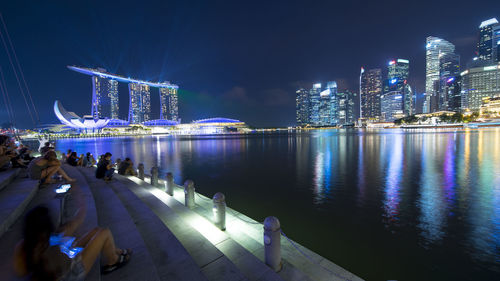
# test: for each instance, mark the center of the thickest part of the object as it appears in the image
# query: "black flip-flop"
(122, 260)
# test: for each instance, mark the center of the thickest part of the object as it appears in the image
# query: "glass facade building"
(139, 103)
(449, 72)
(169, 109)
(435, 47)
(104, 98)
(391, 106)
(370, 90)
(398, 71)
(479, 83)
(302, 107)
(486, 45)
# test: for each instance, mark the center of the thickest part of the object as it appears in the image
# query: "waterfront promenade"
(170, 241)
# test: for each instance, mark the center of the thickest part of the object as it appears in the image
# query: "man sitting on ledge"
(105, 168)
(126, 168)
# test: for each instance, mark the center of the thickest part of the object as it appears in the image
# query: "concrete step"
(213, 263)
(171, 259)
(13, 235)
(90, 220)
(112, 214)
(13, 201)
(7, 177)
(245, 261)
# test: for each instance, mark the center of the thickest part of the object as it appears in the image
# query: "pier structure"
(171, 241)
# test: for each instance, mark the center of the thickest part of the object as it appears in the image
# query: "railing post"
(169, 184)
(272, 240)
(140, 171)
(189, 194)
(154, 176)
(219, 210)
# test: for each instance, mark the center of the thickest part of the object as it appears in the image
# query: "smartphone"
(71, 252)
(63, 188)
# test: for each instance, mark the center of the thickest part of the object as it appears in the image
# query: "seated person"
(80, 160)
(88, 160)
(44, 149)
(8, 152)
(126, 167)
(43, 168)
(72, 159)
(105, 169)
(49, 254)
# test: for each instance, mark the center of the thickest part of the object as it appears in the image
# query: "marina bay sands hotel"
(105, 97)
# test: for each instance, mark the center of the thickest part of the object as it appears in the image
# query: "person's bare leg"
(82, 241)
(64, 175)
(102, 242)
(47, 174)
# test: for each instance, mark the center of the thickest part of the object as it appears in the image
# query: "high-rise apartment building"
(435, 48)
(479, 83)
(104, 98)
(486, 46)
(302, 107)
(140, 103)
(370, 90)
(169, 109)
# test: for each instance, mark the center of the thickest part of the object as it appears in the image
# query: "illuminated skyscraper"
(370, 91)
(479, 83)
(435, 48)
(314, 104)
(302, 107)
(169, 109)
(140, 103)
(398, 71)
(486, 44)
(496, 42)
(328, 105)
(104, 98)
(449, 73)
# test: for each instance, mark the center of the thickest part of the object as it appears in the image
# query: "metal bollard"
(154, 176)
(140, 171)
(189, 193)
(169, 184)
(219, 210)
(118, 162)
(272, 240)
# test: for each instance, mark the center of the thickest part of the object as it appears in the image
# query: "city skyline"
(239, 80)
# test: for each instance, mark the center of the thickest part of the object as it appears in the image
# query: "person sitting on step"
(43, 168)
(105, 169)
(73, 159)
(47, 253)
(88, 160)
(127, 168)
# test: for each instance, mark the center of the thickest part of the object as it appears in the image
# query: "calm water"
(386, 204)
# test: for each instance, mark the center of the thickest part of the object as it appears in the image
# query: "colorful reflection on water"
(388, 204)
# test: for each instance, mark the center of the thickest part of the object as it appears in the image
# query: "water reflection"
(442, 187)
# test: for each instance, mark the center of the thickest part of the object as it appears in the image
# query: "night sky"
(235, 59)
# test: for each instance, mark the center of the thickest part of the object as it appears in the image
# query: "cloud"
(238, 94)
(277, 97)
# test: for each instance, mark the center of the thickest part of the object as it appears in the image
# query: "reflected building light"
(393, 181)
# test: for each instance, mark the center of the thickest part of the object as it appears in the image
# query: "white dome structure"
(74, 121)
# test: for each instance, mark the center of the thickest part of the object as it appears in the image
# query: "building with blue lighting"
(398, 71)
(435, 48)
(105, 97)
(487, 46)
(391, 106)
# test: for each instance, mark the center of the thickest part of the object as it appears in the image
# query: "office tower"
(496, 42)
(346, 107)
(302, 107)
(314, 104)
(104, 98)
(370, 92)
(435, 48)
(449, 70)
(451, 90)
(169, 104)
(391, 106)
(328, 105)
(478, 83)
(486, 44)
(397, 82)
(139, 103)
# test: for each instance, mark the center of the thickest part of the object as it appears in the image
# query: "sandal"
(126, 252)
(122, 260)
